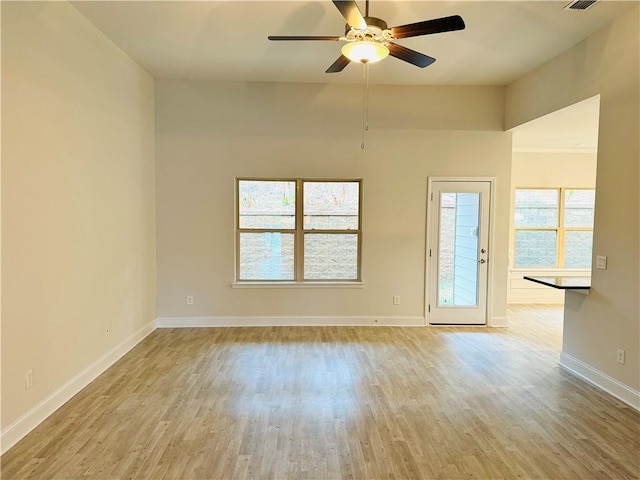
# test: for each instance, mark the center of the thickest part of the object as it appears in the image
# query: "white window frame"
(560, 230)
(299, 233)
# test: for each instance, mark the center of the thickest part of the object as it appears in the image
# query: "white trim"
(302, 321)
(601, 380)
(493, 188)
(491, 241)
(298, 285)
(30, 420)
(498, 322)
(588, 149)
(550, 271)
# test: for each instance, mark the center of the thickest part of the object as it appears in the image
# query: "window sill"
(298, 285)
(552, 270)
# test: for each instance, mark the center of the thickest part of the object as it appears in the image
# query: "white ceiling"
(227, 39)
(572, 129)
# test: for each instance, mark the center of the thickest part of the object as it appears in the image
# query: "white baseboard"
(305, 321)
(30, 420)
(601, 380)
(498, 322)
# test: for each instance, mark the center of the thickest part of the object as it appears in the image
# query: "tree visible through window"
(298, 230)
(554, 227)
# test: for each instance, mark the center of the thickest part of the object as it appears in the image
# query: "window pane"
(266, 204)
(578, 208)
(266, 256)
(458, 249)
(331, 205)
(536, 208)
(577, 249)
(330, 256)
(536, 248)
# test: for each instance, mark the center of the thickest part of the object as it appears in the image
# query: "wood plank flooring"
(339, 403)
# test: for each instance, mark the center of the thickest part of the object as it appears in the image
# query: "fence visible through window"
(298, 230)
(553, 227)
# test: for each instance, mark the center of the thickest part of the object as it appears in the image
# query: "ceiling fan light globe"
(365, 52)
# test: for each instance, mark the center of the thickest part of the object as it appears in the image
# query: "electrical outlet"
(28, 379)
(189, 300)
(396, 299)
(620, 357)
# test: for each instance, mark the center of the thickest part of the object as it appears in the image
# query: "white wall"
(209, 133)
(607, 63)
(78, 219)
(552, 170)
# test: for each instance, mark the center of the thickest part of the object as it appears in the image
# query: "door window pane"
(577, 249)
(267, 204)
(330, 256)
(458, 249)
(266, 256)
(331, 205)
(579, 206)
(536, 208)
(536, 248)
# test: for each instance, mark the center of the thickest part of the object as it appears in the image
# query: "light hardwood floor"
(348, 402)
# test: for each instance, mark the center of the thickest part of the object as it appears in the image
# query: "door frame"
(431, 241)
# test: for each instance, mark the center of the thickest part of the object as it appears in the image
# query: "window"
(298, 230)
(554, 227)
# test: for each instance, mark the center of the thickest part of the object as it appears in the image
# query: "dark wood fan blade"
(415, 58)
(437, 25)
(290, 37)
(351, 13)
(338, 65)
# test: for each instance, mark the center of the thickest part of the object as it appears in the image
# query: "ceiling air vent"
(581, 5)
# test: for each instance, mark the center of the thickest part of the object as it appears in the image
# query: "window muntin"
(298, 230)
(553, 227)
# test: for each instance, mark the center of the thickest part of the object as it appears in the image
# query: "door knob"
(482, 260)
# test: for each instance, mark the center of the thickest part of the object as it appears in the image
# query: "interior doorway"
(553, 180)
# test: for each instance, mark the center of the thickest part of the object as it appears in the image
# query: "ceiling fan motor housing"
(374, 26)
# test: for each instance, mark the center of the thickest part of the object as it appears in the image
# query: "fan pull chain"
(365, 102)
(366, 96)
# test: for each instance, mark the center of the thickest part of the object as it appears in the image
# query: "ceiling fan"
(369, 39)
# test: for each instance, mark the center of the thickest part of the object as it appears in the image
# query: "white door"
(458, 252)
